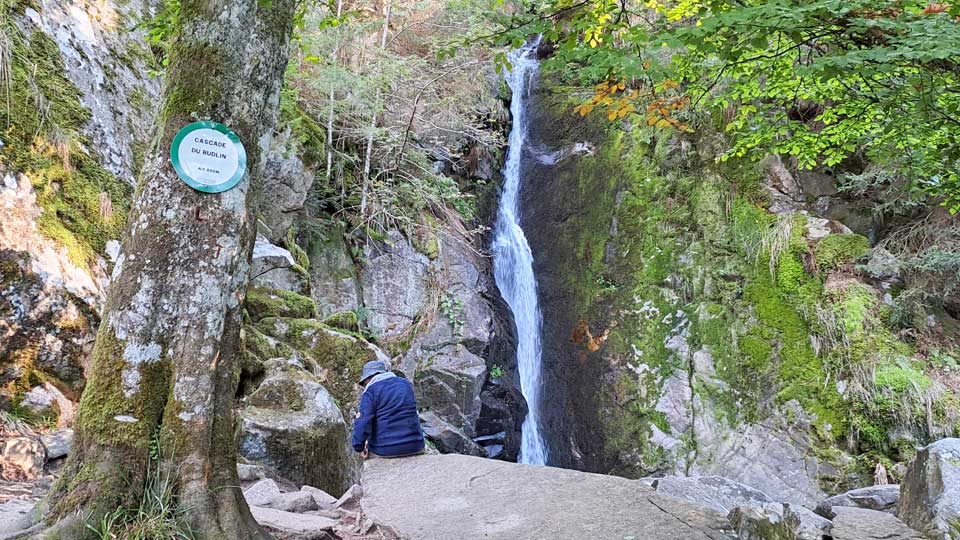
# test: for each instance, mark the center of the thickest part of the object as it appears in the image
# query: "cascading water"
(513, 260)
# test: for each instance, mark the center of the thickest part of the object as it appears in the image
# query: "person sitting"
(387, 424)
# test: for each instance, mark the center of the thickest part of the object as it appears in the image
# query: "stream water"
(513, 260)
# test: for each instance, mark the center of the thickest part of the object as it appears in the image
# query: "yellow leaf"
(663, 123)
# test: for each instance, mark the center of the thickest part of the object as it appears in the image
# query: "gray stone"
(454, 497)
(57, 443)
(752, 523)
(883, 265)
(819, 228)
(250, 473)
(350, 500)
(295, 501)
(333, 279)
(447, 438)
(785, 192)
(322, 498)
(47, 399)
(15, 515)
(395, 284)
(106, 60)
(773, 456)
(882, 498)
(262, 493)
(49, 308)
(862, 524)
(267, 256)
(293, 426)
(930, 491)
(811, 526)
(816, 184)
(274, 267)
(22, 457)
(286, 182)
(448, 383)
(292, 279)
(713, 492)
(290, 526)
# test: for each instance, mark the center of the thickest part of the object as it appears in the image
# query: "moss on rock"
(344, 320)
(837, 250)
(339, 357)
(264, 302)
(83, 204)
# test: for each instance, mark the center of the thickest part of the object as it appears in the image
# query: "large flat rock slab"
(455, 497)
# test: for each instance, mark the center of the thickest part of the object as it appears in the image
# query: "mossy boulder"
(344, 320)
(338, 357)
(292, 425)
(264, 302)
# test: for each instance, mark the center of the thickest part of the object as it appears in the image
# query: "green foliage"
(452, 308)
(819, 80)
(407, 104)
(496, 371)
(160, 32)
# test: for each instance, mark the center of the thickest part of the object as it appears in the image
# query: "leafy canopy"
(819, 80)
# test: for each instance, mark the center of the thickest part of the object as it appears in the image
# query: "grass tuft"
(159, 515)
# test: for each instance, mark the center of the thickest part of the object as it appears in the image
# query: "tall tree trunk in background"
(166, 359)
(333, 57)
(373, 121)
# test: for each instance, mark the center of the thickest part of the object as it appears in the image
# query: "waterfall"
(513, 260)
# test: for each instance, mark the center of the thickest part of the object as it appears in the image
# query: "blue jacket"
(388, 419)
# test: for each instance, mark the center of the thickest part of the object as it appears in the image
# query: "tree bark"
(373, 121)
(166, 359)
(333, 58)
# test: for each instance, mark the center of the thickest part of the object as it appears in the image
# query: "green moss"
(264, 347)
(344, 320)
(265, 302)
(83, 205)
(104, 400)
(838, 250)
(193, 94)
(299, 255)
(790, 272)
(901, 378)
(339, 357)
(800, 373)
(425, 238)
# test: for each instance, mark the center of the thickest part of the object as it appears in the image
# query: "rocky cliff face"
(703, 318)
(79, 115)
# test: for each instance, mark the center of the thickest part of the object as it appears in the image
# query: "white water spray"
(513, 260)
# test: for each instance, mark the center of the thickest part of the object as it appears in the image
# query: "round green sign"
(208, 157)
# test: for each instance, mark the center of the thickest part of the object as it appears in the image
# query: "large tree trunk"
(166, 360)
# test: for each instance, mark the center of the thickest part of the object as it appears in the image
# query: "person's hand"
(366, 452)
